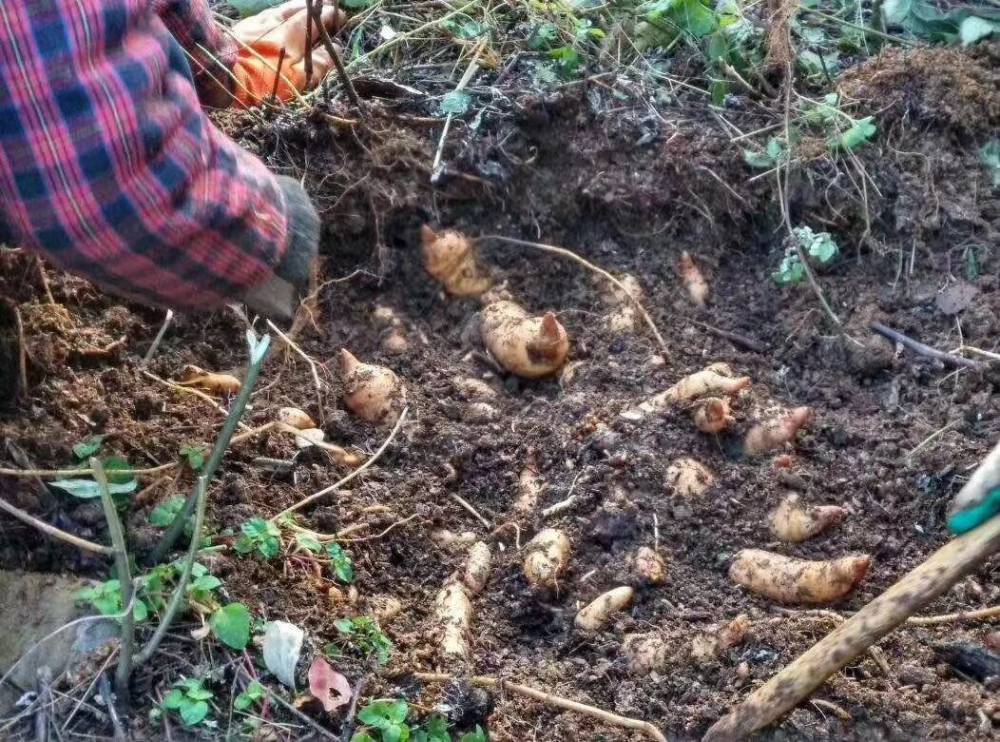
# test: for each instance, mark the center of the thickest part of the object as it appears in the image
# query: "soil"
(893, 437)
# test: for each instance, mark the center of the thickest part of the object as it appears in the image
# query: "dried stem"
(553, 700)
(69, 538)
(331, 49)
(590, 266)
(925, 350)
(124, 670)
(340, 483)
(35, 473)
(983, 614)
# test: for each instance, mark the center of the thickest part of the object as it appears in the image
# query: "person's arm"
(109, 166)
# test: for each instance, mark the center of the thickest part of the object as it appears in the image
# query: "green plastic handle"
(966, 520)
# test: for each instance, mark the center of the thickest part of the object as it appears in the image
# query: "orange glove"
(261, 39)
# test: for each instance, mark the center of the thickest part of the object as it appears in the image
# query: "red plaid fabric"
(109, 166)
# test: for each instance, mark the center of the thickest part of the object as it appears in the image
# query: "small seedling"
(364, 635)
(189, 698)
(340, 560)
(387, 718)
(249, 698)
(195, 456)
(163, 515)
(819, 248)
(90, 447)
(106, 597)
(261, 536)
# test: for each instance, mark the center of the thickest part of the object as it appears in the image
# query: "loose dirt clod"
(798, 581)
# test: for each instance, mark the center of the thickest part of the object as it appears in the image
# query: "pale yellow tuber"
(546, 558)
(596, 615)
(529, 488)
(532, 347)
(453, 612)
(373, 393)
(384, 608)
(450, 259)
(711, 415)
(689, 478)
(477, 568)
(450, 540)
(793, 521)
(773, 434)
(625, 317)
(798, 581)
(224, 384)
(473, 389)
(708, 647)
(693, 279)
(296, 418)
(649, 567)
(717, 380)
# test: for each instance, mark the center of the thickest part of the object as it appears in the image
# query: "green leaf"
(206, 582)
(195, 456)
(398, 711)
(362, 737)
(173, 700)
(140, 611)
(309, 543)
(819, 246)
(253, 694)
(231, 624)
(477, 736)
(199, 693)
(545, 37)
(694, 18)
(790, 271)
(436, 730)
(719, 90)
(568, 60)
(758, 160)
(456, 103)
(343, 567)
(894, 12)
(163, 515)
(974, 29)
(85, 449)
(119, 472)
(775, 149)
(862, 131)
(194, 713)
(87, 489)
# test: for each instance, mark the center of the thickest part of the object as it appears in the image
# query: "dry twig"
(925, 350)
(69, 538)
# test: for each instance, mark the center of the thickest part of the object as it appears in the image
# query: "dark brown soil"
(629, 191)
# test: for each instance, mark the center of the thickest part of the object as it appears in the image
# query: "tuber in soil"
(711, 415)
(477, 568)
(373, 393)
(625, 317)
(594, 616)
(792, 521)
(774, 434)
(546, 557)
(529, 488)
(693, 279)
(649, 567)
(453, 611)
(717, 380)
(708, 647)
(790, 580)
(451, 260)
(224, 384)
(689, 478)
(296, 418)
(532, 347)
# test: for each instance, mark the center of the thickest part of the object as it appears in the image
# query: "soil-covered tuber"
(373, 393)
(223, 384)
(532, 347)
(711, 415)
(477, 568)
(706, 648)
(546, 557)
(625, 317)
(596, 614)
(449, 258)
(453, 611)
(689, 478)
(793, 521)
(773, 434)
(649, 567)
(798, 581)
(529, 488)
(716, 380)
(693, 279)
(296, 418)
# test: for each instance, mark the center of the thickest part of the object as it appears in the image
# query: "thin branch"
(340, 483)
(180, 590)
(983, 614)
(188, 390)
(124, 669)
(590, 266)
(466, 505)
(69, 538)
(925, 350)
(553, 700)
(58, 473)
(331, 49)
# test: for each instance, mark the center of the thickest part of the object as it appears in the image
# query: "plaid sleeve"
(109, 166)
(211, 52)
